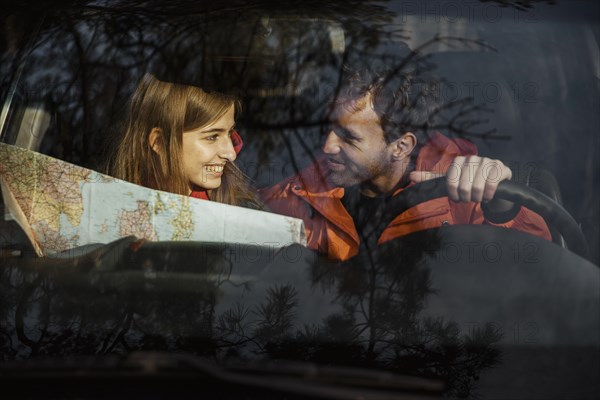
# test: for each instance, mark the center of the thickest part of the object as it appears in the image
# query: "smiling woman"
(207, 150)
(181, 139)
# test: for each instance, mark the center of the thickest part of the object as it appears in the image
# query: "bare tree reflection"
(286, 66)
(522, 5)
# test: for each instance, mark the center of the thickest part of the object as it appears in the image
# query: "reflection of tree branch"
(231, 320)
(448, 40)
(462, 127)
(122, 328)
(292, 111)
(364, 326)
(289, 147)
(371, 320)
(230, 324)
(228, 344)
(45, 317)
(458, 123)
(521, 5)
(226, 279)
(20, 314)
(85, 93)
(121, 336)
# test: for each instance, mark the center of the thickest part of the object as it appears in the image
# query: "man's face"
(355, 146)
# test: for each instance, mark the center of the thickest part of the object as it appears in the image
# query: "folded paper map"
(61, 206)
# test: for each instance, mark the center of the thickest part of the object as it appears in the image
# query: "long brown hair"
(173, 109)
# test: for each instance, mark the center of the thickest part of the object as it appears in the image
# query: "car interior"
(35, 122)
(427, 315)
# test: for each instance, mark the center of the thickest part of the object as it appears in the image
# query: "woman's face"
(207, 149)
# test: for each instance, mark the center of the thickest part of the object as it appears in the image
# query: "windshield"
(517, 79)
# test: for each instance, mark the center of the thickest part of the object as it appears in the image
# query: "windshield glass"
(515, 79)
(519, 80)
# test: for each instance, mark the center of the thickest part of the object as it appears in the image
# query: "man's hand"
(472, 178)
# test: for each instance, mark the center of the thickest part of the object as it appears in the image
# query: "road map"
(61, 206)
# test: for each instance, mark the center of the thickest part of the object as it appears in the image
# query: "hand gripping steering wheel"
(553, 213)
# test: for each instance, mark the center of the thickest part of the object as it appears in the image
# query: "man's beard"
(344, 178)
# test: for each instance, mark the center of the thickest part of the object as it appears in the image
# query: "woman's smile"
(215, 170)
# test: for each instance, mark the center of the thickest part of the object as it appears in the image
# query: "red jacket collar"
(199, 194)
(439, 151)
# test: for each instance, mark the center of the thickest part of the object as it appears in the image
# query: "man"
(379, 144)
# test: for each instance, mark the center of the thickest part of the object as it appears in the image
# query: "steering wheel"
(534, 200)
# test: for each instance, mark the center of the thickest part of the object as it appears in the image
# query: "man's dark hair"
(405, 99)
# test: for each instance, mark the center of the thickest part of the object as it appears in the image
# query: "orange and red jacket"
(330, 229)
